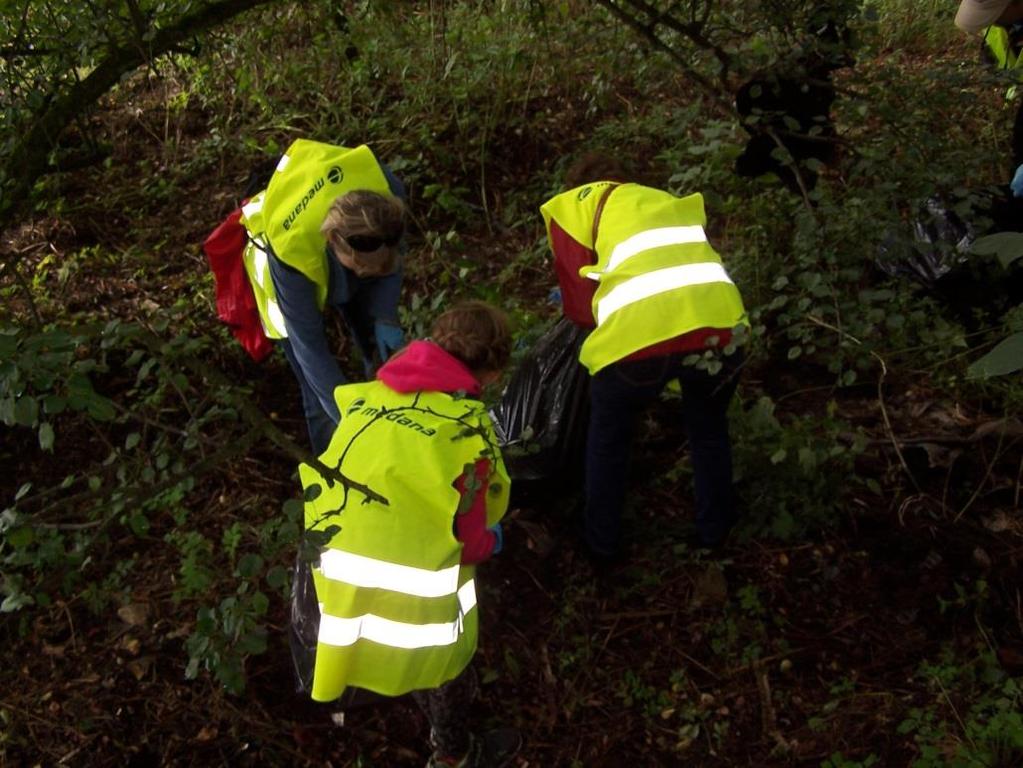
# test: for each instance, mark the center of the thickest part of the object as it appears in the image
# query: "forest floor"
(769, 653)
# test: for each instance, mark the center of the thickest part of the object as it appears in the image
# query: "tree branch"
(27, 159)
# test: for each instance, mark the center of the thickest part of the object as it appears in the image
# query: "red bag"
(236, 304)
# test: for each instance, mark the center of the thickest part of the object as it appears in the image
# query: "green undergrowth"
(130, 416)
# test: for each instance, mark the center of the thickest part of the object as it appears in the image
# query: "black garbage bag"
(938, 253)
(305, 625)
(302, 634)
(542, 416)
(940, 242)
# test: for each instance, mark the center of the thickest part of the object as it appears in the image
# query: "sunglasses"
(369, 243)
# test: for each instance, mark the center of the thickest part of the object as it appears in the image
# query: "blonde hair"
(476, 333)
(365, 213)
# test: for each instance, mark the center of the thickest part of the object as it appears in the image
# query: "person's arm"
(478, 541)
(296, 297)
(396, 184)
(372, 314)
(576, 292)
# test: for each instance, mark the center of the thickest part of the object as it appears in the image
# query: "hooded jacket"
(423, 365)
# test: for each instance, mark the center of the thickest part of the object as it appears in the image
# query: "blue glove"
(498, 538)
(389, 339)
(1016, 185)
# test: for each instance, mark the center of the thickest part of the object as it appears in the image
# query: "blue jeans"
(618, 393)
(320, 424)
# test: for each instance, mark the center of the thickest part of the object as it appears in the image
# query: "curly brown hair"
(476, 333)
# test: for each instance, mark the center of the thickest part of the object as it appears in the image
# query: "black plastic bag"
(939, 257)
(940, 242)
(541, 419)
(305, 625)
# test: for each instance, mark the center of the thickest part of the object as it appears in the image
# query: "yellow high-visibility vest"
(657, 276)
(996, 40)
(285, 218)
(398, 610)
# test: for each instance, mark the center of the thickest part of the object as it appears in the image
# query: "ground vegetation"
(868, 611)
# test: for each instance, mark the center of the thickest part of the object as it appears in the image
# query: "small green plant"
(974, 717)
(838, 760)
(811, 462)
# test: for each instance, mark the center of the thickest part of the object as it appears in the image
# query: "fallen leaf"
(981, 558)
(57, 651)
(938, 456)
(140, 667)
(1002, 521)
(135, 614)
(711, 588)
(206, 733)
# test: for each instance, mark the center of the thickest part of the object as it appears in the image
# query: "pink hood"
(423, 365)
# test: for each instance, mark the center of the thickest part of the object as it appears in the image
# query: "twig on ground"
(880, 396)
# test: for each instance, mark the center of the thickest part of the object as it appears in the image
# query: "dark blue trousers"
(319, 423)
(618, 393)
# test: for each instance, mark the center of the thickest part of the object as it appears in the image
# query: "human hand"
(390, 338)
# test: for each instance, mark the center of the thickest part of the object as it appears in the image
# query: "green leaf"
(26, 411)
(7, 411)
(54, 404)
(260, 603)
(46, 436)
(249, 565)
(1007, 246)
(13, 602)
(22, 491)
(1005, 358)
(277, 577)
(8, 344)
(101, 408)
(21, 537)
(807, 460)
(779, 456)
(132, 440)
(139, 524)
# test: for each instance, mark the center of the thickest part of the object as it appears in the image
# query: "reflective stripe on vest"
(362, 571)
(653, 238)
(398, 608)
(658, 277)
(257, 267)
(340, 632)
(653, 283)
(285, 218)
